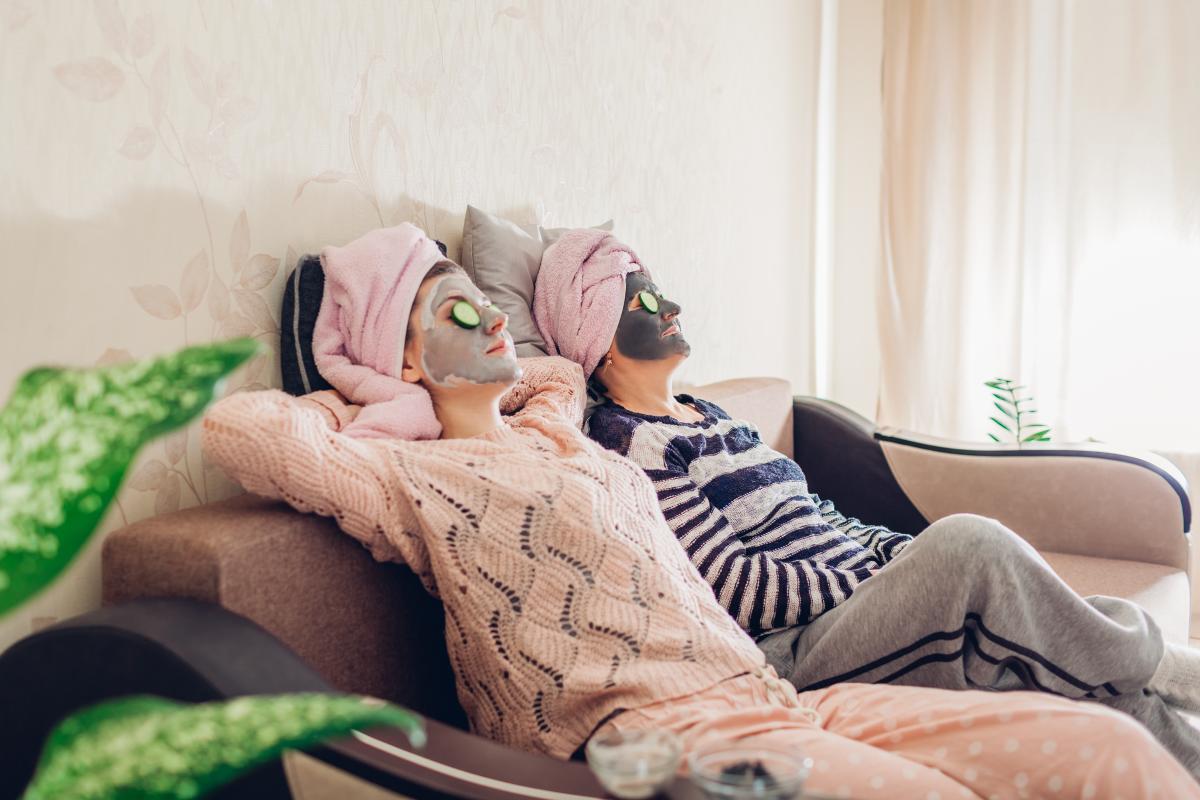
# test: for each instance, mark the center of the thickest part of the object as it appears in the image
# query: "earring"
(607, 360)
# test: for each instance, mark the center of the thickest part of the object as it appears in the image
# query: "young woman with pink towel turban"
(568, 603)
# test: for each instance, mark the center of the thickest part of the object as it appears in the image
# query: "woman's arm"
(550, 386)
(885, 544)
(761, 593)
(287, 448)
(333, 407)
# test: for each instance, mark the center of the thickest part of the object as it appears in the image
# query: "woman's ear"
(409, 371)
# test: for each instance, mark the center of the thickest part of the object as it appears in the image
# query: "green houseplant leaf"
(1005, 411)
(67, 436)
(156, 749)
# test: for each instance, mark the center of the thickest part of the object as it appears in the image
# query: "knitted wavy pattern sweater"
(567, 596)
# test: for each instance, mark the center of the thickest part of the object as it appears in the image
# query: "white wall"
(139, 136)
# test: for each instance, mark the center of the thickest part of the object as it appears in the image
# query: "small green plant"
(1017, 423)
(67, 437)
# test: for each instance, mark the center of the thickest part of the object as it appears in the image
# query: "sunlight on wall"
(1135, 344)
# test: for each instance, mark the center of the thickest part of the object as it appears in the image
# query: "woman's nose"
(671, 310)
(495, 321)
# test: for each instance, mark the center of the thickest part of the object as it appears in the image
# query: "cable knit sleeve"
(288, 448)
(550, 386)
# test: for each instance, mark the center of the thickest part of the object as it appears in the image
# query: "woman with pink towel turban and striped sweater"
(569, 605)
(829, 599)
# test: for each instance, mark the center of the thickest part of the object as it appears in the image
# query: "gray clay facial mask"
(648, 335)
(455, 354)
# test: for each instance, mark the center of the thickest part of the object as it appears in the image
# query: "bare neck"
(646, 392)
(468, 414)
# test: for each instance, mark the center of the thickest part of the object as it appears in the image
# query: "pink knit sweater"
(567, 596)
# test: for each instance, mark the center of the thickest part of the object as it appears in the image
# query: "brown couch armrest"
(460, 765)
(366, 627)
(1080, 499)
(1084, 499)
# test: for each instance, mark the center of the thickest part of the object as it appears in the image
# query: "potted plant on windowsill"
(1018, 423)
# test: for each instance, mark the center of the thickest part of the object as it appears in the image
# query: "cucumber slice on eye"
(464, 315)
(648, 301)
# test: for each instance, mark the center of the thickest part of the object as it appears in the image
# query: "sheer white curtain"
(1041, 216)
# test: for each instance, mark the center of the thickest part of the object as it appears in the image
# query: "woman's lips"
(498, 348)
(673, 330)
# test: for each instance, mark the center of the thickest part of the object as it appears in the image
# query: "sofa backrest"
(365, 627)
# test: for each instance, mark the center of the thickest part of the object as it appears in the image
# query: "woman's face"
(458, 337)
(649, 328)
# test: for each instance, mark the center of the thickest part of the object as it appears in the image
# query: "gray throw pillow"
(503, 258)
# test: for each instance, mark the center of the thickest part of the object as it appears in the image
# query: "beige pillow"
(503, 259)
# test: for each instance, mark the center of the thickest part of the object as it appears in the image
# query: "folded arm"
(550, 386)
(761, 593)
(288, 448)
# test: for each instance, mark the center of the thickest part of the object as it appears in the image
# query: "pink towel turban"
(358, 340)
(580, 292)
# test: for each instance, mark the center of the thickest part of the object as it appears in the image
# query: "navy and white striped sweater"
(775, 555)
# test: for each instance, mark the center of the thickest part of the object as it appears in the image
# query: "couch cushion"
(1163, 591)
(503, 258)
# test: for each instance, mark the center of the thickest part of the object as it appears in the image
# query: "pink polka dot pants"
(881, 741)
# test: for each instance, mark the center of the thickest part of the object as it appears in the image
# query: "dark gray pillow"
(502, 258)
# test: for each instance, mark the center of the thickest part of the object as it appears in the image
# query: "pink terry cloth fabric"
(358, 339)
(579, 294)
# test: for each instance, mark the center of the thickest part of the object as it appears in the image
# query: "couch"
(1109, 522)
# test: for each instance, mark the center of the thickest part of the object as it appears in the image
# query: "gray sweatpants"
(970, 605)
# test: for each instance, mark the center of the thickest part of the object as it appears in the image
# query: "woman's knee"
(968, 537)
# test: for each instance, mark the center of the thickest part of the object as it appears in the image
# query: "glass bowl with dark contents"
(725, 770)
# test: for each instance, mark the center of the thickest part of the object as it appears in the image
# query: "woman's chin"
(680, 350)
(500, 375)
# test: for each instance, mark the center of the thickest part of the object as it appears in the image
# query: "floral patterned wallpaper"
(165, 164)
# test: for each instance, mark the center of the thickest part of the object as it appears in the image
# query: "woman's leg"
(1010, 745)
(968, 605)
(742, 710)
(848, 768)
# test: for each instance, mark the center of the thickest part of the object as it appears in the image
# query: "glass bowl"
(725, 770)
(634, 764)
